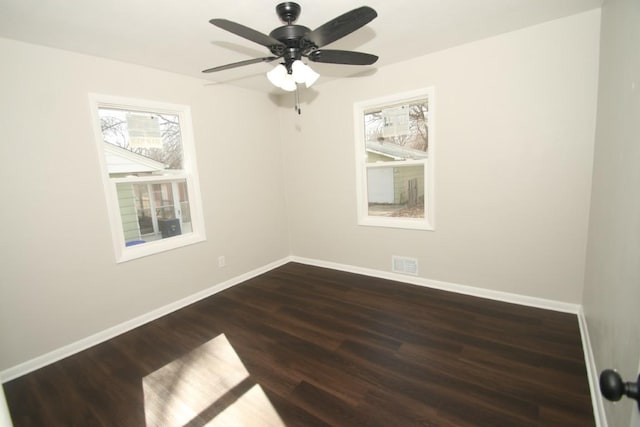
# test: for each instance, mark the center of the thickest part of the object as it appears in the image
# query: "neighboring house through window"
(394, 149)
(148, 161)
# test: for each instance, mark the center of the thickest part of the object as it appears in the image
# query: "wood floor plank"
(308, 346)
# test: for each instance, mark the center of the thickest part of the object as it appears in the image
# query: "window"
(148, 164)
(394, 160)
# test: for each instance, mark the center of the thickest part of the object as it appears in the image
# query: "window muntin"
(395, 160)
(151, 184)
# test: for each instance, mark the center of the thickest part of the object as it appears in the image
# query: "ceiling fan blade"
(246, 32)
(341, 26)
(240, 64)
(342, 57)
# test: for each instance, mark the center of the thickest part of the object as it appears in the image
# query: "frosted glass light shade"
(288, 83)
(312, 76)
(299, 71)
(278, 75)
(302, 73)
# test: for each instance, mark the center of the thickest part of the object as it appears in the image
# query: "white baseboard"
(446, 286)
(592, 373)
(90, 341)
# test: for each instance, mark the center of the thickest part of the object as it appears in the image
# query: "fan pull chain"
(297, 100)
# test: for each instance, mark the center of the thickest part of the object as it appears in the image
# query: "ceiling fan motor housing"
(292, 36)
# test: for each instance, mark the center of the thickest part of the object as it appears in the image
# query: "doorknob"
(613, 388)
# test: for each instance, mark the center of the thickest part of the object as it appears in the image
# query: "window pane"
(140, 143)
(396, 191)
(153, 211)
(397, 132)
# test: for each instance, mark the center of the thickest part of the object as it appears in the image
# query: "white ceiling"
(175, 35)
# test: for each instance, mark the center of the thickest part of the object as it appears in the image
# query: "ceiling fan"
(293, 42)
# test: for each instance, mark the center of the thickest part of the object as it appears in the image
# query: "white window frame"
(189, 174)
(360, 108)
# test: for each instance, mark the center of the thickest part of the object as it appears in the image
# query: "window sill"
(404, 223)
(129, 253)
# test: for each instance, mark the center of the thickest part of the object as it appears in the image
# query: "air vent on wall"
(404, 265)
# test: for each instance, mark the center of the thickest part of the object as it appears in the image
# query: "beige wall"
(612, 285)
(514, 132)
(58, 279)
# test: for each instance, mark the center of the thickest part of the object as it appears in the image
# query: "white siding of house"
(127, 202)
(401, 177)
(380, 185)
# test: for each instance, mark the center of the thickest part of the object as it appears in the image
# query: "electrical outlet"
(222, 261)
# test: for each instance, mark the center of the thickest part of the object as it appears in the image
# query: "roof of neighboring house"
(120, 161)
(395, 151)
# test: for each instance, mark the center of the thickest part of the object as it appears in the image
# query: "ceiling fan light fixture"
(302, 73)
(277, 75)
(299, 71)
(288, 84)
(312, 76)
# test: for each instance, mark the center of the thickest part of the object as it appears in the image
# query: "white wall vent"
(404, 265)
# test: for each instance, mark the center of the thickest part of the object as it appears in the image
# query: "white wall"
(514, 141)
(58, 279)
(612, 285)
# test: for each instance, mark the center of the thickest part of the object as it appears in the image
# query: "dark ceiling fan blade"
(240, 64)
(246, 32)
(342, 57)
(341, 26)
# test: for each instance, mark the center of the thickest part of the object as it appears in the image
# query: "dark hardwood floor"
(306, 346)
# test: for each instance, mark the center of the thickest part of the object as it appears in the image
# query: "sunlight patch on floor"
(253, 408)
(209, 386)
